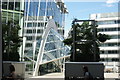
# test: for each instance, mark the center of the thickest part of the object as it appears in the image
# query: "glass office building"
(12, 10)
(43, 35)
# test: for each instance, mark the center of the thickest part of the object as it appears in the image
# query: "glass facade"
(53, 53)
(37, 16)
(12, 10)
(54, 46)
(48, 8)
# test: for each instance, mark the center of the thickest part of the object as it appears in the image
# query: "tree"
(11, 41)
(87, 49)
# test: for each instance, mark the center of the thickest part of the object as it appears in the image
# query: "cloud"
(66, 33)
(110, 3)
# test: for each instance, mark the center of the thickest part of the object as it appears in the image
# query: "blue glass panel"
(46, 58)
(54, 47)
(49, 46)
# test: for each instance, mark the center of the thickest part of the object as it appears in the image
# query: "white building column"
(0, 44)
(23, 50)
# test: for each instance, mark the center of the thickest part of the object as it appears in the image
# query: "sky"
(81, 10)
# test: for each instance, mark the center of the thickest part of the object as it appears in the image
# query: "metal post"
(0, 44)
(74, 39)
(9, 32)
(94, 38)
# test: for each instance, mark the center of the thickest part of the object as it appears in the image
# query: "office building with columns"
(108, 23)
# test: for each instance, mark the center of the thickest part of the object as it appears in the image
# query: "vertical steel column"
(0, 44)
(74, 39)
(94, 39)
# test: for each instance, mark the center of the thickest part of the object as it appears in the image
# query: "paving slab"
(60, 76)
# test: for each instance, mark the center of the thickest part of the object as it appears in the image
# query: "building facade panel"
(109, 50)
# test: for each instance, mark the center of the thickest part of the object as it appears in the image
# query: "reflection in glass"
(11, 6)
(17, 6)
(4, 5)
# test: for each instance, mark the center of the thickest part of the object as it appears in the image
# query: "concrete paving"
(60, 76)
(52, 76)
(112, 76)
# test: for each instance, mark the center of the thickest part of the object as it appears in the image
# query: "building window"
(4, 5)
(34, 24)
(17, 6)
(109, 52)
(42, 24)
(108, 29)
(11, 5)
(39, 31)
(29, 31)
(29, 24)
(39, 37)
(39, 25)
(114, 37)
(108, 22)
(29, 37)
(109, 59)
(102, 52)
(28, 45)
(115, 59)
(113, 52)
(109, 44)
(34, 31)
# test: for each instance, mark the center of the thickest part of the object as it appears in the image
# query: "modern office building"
(109, 50)
(12, 10)
(43, 36)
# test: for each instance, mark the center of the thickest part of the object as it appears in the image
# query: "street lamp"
(74, 36)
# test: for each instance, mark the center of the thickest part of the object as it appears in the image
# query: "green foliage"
(68, 41)
(11, 41)
(57, 24)
(85, 42)
(103, 37)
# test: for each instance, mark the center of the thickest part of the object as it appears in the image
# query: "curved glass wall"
(54, 53)
(54, 47)
(37, 14)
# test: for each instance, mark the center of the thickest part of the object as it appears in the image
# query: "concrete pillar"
(0, 44)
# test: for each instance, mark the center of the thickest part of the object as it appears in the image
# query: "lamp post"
(74, 36)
